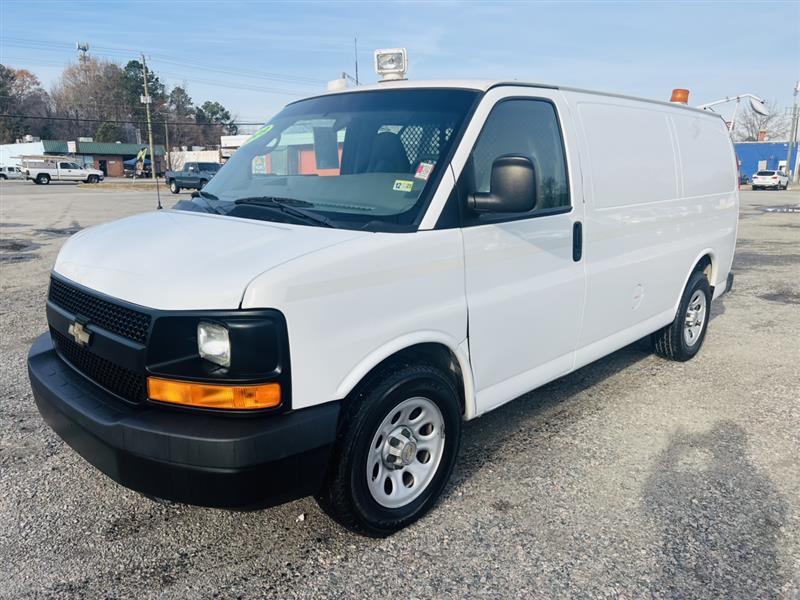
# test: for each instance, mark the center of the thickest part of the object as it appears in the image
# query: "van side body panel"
(660, 192)
(351, 307)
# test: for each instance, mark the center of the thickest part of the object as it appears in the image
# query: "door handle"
(577, 241)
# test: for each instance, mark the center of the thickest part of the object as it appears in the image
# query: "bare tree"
(90, 89)
(749, 123)
(22, 94)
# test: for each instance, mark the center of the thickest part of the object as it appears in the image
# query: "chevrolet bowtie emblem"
(80, 334)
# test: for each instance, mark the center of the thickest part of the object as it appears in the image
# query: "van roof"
(485, 85)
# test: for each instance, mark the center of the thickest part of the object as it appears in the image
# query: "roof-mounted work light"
(391, 64)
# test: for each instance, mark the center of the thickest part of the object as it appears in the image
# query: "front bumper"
(197, 458)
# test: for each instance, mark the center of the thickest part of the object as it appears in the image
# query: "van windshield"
(364, 160)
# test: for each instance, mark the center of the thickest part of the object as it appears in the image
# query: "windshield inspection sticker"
(424, 171)
(402, 185)
(261, 132)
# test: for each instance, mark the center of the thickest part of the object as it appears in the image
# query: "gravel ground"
(633, 477)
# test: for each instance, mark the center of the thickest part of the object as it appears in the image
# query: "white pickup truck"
(44, 169)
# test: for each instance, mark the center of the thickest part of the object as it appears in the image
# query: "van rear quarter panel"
(347, 308)
(660, 191)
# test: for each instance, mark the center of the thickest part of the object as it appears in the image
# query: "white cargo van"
(372, 268)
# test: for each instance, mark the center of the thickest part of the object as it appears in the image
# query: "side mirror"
(512, 186)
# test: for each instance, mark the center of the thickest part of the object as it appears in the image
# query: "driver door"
(525, 280)
(189, 174)
(66, 172)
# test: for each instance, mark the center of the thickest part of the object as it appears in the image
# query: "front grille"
(123, 321)
(126, 384)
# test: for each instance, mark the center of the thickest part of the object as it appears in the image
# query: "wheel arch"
(431, 347)
(706, 261)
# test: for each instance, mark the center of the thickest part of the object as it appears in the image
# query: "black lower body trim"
(201, 459)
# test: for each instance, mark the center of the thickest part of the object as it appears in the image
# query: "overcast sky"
(256, 56)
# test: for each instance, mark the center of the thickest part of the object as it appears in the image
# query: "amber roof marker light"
(680, 96)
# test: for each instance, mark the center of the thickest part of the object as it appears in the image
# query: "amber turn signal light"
(205, 395)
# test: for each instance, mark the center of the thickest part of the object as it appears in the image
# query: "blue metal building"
(763, 155)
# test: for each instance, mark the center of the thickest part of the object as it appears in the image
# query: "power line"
(126, 52)
(131, 121)
(182, 77)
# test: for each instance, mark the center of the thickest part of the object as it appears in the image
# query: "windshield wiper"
(206, 196)
(287, 206)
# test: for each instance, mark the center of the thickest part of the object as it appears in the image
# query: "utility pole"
(146, 100)
(792, 136)
(166, 144)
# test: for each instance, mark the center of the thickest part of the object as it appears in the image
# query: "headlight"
(213, 343)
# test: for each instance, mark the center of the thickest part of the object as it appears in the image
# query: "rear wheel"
(203, 183)
(174, 187)
(3, 176)
(43, 179)
(682, 339)
(398, 443)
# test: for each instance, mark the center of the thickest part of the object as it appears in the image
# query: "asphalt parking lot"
(633, 477)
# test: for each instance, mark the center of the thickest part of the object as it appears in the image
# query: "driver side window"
(526, 128)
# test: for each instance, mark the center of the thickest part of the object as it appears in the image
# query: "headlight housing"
(213, 343)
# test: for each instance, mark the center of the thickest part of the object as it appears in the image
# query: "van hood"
(175, 260)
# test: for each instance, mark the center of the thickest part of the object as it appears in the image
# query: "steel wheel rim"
(695, 318)
(405, 452)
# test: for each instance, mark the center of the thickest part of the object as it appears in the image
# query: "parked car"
(129, 168)
(372, 268)
(44, 169)
(194, 175)
(10, 173)
(776, 180)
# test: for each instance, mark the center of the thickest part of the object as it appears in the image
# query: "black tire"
(345, 495)
(43, 179)
(92, 179)
(203, 183)
(670, 341)
(3, 176)
(174, 187)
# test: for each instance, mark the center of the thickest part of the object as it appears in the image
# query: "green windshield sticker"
(402, 185)
(261, 132)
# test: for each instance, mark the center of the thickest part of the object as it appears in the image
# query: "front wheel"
(399, 440)
(173, 187)
(682, 339)
(203, 183)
